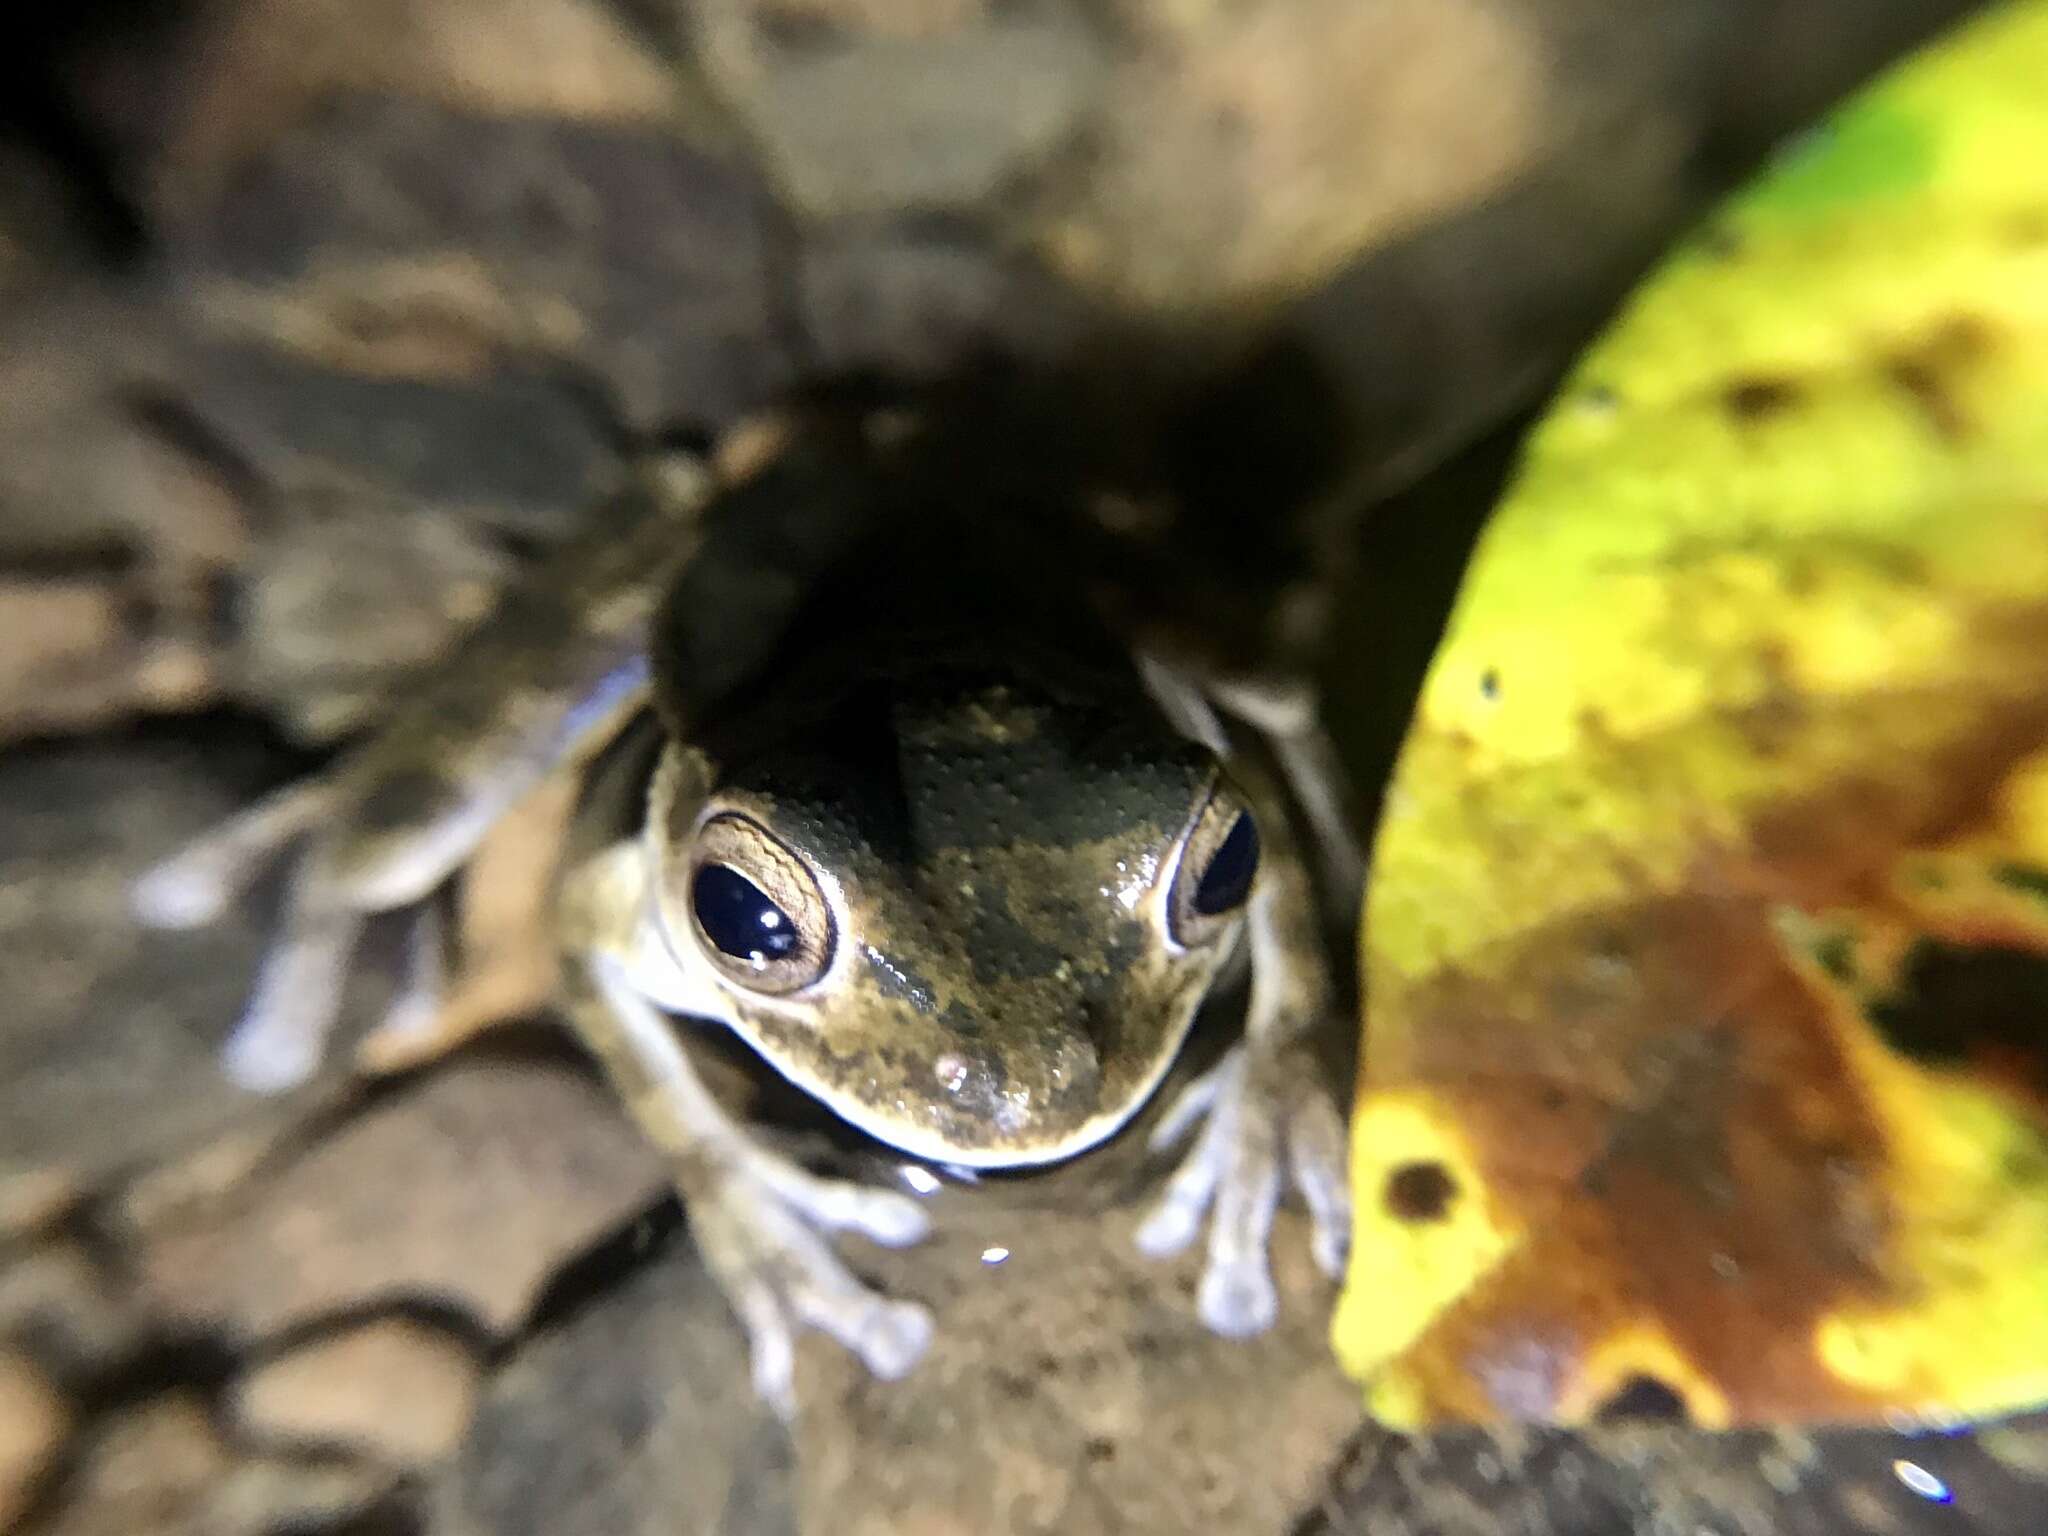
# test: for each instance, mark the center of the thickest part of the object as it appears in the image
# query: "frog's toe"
(771, 1344)
(1265, 1120)
(1191, 1106)
(283, 1033)
(841, 1205)
(266, 1055)
(761, 1231)
(182, 892)
(890, 1337)
(1237, 1300)
(1316, 1160)
(193, 886)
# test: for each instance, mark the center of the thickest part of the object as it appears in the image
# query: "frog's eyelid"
(1221, 813)
(785, 880)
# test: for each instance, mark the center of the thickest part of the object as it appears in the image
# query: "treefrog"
(922, 832)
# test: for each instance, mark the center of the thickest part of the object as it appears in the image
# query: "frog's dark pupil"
(737, 917)
(1228, 879)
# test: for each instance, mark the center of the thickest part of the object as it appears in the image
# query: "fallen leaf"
(1706, 951)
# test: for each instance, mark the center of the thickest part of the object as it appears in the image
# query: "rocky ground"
(319, 321)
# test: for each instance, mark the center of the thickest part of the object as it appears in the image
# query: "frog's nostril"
(1073, 1076)
(1047, 1085)
(954, 1071)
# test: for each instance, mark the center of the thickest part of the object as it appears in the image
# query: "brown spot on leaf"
(1758, 399)
(1645, 1397)
(1927, 373)
(1959, 1006)
(2024, 878)
(1420, 1192)
(1929, 395)
(1711, 1111)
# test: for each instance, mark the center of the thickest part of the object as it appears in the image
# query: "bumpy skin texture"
(989, 840)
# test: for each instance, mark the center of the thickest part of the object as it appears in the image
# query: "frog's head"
(975, 920)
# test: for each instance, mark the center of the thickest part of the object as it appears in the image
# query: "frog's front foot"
(1265, 1116)
(760, 1222)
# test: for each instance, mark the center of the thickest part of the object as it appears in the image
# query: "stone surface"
(395, 1389)
(514, 453)
(148, 1470)
(81, 651)
(394, 235)
(96, 468)
(861, 108)
(1071, 1385)
(186, 101)
(467, 1189)
(34, 1419)
(1249, 150)
(63, 1310)
(666, 1441)
(164, 1469)
(1650, 1479)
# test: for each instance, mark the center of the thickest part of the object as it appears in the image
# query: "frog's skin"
(1000, 873)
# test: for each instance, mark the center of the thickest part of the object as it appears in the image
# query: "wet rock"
(512, 453)
(83, 650)
(667, 1439)
(116, 530)
(95, 469)
(183, 102)
(163, 1468)
(34, 1420)
(1072, 1387)
(1248, 150)
(468, 1189)
(67, 1312)
(397, 1390)
(863, 108)
(68, 661)
(148, 1470)
(1645, 1478)
(392, 235)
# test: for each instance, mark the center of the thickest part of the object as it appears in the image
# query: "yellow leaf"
(1735, 752)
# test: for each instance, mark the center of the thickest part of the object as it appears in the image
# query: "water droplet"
(1921, 1481)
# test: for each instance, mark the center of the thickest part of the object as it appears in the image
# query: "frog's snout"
(1037, 1090)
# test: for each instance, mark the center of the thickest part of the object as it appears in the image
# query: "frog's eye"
(758, 911)
(1218, 860)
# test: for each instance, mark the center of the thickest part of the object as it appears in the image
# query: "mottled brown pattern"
(1687, 1141)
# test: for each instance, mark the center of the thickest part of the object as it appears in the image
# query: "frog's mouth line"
(937, 1148)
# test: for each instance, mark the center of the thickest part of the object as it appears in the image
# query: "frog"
(923, 831)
